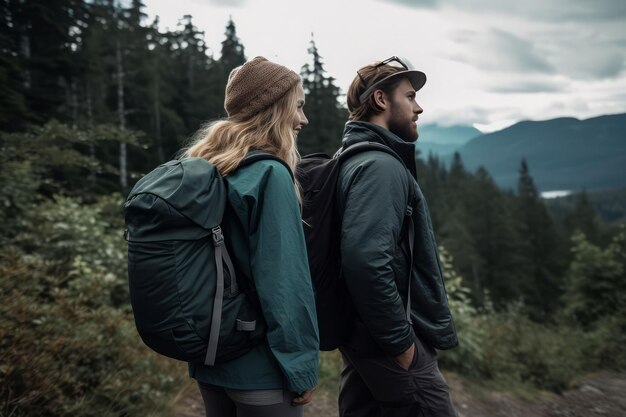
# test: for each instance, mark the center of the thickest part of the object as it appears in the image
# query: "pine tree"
(431, 176)
(152, 80)
(232, 49)
(47, 33)
(583, 218)
(473, 220)
(231, 56)
(13, 110)
(596, 281)
(97, 65)
(131, 54)
(200, 80)
(457, 174)
(497, 241)
(326, 116)
(541, 250)
(525, 185)
(165, 126)
(120, 75)
(454, 222)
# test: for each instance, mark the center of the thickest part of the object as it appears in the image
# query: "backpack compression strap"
(221, 255)
(411, 237)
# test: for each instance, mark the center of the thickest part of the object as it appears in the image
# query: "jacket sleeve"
(375, 196)
(280, 271)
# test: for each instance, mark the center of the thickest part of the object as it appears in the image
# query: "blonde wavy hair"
(225, 143)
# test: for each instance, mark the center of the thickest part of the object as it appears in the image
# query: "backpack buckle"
(218, 236)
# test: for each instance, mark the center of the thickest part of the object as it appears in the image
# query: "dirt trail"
(596, 395)
(601, 395)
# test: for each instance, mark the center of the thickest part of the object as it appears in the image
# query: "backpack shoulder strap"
(222, 257)
(344, 154)
(347, 153)
(258, 155)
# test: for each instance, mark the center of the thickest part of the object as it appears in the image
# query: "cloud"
(607, 66)
(584, 52)
(231, 3)
(414, 3)
(553, 10)
(598, 64)
(579, 39)
(461, 116)
(529, 86)
(586, 10)
(497, 50)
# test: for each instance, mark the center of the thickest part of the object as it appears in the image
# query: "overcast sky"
(489, 63)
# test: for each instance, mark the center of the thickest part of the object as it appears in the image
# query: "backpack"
(318, 176)
(186, 299)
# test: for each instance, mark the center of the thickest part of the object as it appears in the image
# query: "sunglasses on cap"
(417, 78)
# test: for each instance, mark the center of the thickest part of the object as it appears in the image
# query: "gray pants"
(223, 402)
(378, 386)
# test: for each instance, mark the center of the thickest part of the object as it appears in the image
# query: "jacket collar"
(359, 131)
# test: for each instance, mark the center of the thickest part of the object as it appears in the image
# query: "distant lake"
(555, 194)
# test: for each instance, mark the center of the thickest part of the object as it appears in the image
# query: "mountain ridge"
(564, 153)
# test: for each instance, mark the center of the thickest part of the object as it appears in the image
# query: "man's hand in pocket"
(405, 359)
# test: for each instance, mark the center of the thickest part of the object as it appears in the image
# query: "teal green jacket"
(264, 234)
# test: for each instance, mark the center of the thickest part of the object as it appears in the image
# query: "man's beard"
(402, 126)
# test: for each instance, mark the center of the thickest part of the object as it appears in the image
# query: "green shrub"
(507, 346)
(63, 228)
(67, 351)
(18, 194)
(470, 324)
(605, 344)
(64, 160)
(596, 281)
(521, 350)
(67, 335)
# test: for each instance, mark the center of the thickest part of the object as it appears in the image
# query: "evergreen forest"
(94, 95)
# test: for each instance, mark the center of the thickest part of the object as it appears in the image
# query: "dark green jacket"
(263, 231)
(373, 194)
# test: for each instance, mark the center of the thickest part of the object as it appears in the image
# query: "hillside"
(443, 140)
(562, 154)
(610, 205)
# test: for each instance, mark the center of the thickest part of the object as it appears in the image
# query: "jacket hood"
(359, 131)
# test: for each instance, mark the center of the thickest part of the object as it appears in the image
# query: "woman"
(264, 102)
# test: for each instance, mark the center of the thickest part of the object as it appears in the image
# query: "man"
(390, 365)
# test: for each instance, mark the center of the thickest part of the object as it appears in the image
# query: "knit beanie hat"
(256, 85)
